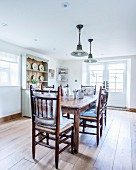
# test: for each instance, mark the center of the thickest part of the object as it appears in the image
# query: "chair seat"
(64, 123)
(93, 106)
(89, 113)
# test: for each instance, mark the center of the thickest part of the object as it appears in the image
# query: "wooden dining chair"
(48, 124)
(93, 118)
(105, 100)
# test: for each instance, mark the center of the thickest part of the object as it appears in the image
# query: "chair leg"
(84, 124)
(33, 142)
(68, 116)
(98, 133)
(57, 152)
(47, 138)
(101, 125)
(72, 140)
(105, 116)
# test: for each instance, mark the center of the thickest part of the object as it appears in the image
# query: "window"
(9, 72)
(95, 74)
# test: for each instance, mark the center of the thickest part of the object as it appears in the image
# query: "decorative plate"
(27, 65)
(27, 77)
(41, 67)
(35, 77)
(35, 66)
(41, 78)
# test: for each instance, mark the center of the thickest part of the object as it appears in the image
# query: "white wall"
(75, 73)
(10, 100)
(10, 97)
(53, 64)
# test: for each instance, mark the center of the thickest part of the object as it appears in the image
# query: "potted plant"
(34, 81)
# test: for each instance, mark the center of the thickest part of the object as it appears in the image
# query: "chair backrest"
(46, 108)
(88, 90)
(47, 87)
(65, 90)
(105, 96)
(100, 105)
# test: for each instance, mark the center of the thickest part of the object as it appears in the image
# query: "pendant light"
(90, 57)
(79, 52)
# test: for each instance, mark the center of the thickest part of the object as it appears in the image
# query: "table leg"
(76, 121)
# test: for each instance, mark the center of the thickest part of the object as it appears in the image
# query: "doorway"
(116, 75)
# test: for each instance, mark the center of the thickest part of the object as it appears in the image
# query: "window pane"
(3, 77)
(116, 71)
(93, 79)
(92, 84)
(14, 74)
(95, 67)
(112, 86)
(98, 84)
(9, 74)
(119, 78)
(120, 66)
(99, 78)
(119, 86)
(96, 76)
(112, 78)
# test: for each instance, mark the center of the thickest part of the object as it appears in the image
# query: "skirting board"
(10, 117)
(132, 109)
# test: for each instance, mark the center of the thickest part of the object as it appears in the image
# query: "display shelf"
(62, 74)
(33, 68)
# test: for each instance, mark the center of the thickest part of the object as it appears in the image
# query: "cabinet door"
(26, 103)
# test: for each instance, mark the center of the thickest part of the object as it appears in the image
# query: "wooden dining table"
(73, 106)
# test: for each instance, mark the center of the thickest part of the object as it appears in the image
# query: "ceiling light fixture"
(79, 52)
(65, 4)
(3, 24)
(90, 57)
(35, 39)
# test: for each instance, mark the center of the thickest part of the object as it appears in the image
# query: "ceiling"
(48, 27)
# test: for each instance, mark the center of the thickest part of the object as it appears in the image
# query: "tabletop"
(70, 102)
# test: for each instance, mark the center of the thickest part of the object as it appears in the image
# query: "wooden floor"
(117, 148)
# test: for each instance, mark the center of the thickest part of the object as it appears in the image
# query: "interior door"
(116, 77)
(115, 74)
